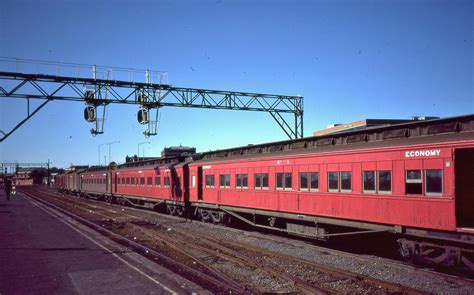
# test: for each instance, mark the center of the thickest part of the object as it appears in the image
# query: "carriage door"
(199, 183)
(464, 188)
(114, 182)
(109, 182)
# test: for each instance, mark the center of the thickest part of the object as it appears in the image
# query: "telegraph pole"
(49, 175)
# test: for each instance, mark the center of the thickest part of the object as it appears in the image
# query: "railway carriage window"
(245, 180)
(303, 181)
(133, 181)
(264, 180)
(261, 180)
(288, 183)
(279, 180)
(142, 180)
(128, 180)
(241, 180)
(137, 181)
(333, 181)
(283, 181)
(157, 181)
(227, 180)
(346, 181)
(384, 181)
(258, 180)
(369, 181)
(433, 182)
(209, 180)
(224, 180)
(314, 180)
(413, 183)
(166, 181)
(149, 181)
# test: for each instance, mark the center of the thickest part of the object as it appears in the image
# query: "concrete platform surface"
(45, 252)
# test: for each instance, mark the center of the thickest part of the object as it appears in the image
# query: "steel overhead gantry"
(149, 96)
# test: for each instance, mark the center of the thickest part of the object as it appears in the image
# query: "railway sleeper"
(422, 252)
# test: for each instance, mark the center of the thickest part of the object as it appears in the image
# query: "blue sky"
(349, 59)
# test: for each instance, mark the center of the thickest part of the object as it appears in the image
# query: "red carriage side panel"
(400, 199)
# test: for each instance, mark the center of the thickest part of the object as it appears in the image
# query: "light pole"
(145, 142)
(100, 145)
(109, 144)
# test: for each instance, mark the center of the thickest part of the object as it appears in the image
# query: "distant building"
(135, 158)
(172, 151)
(76, 167)
(177, 151)
(23, 176)
(366, 123)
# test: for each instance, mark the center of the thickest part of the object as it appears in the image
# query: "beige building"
(366, 123)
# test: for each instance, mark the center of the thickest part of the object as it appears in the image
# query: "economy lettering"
(422, 153)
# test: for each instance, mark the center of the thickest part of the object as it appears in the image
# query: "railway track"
(212, 253)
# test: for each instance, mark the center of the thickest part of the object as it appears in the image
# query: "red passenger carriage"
(414, 180)
(159, 182)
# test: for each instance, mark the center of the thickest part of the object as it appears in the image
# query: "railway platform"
(44, 252)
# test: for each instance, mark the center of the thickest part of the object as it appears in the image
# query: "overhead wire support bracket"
(67, 88)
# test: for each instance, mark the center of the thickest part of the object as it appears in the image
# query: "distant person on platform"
(8, 188)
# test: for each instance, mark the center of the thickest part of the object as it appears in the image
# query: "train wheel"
(180, 211)
(205, 216)
(410, 251)
(216, 217)
(272, 221)
(171, 210)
